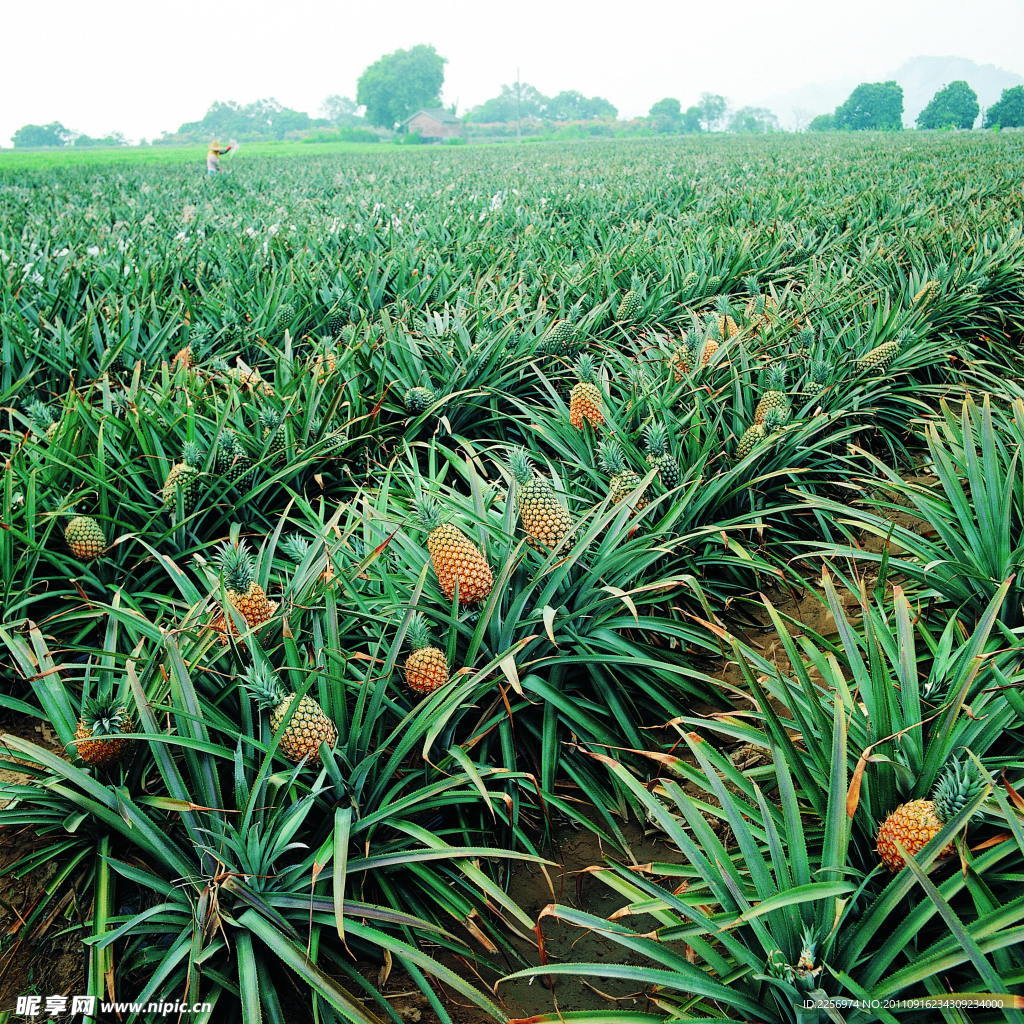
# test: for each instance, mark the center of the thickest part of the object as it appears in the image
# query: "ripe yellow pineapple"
(308, 726)
(426, 669)
(915, 824)
(774, 398)
(244, 593)
(545, 519)
(98, 739)
(585, 397)
(457, 561)
(85, 538)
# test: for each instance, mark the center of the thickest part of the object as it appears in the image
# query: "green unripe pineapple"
(629, 307)
(183, 479)
(818, 377)
(749, 440)
(285, 316)
(880, 358)
(418, 399)
(658, 455)
(560, 339)
(336, 320)
(232, 460)
(272, 427)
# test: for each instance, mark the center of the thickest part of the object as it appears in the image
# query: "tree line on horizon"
(399, 84)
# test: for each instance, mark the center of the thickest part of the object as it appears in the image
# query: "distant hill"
(920, 77)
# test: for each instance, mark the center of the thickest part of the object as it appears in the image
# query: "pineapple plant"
(622, 481)
(560, 339)
(183, 479)
(285, 316)
(456, 560)
(774, 397)
(544, 517)
(426, 668)
(232, 461)
(307, 727)
(335, 321)
(761, 310)
(818, 374)
(418, 399)
(585, 396)
(917, 823)
(629, 307)
(656, 449)
(722, 322)
(98, 739)
(749, 439)
(881, 357)
(324, 363)
(704, 349)
(85, 537)
(272, 429)
(41, 417)
(681, 358)
(245, 595)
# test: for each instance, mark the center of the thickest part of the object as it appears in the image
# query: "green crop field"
(383, 526)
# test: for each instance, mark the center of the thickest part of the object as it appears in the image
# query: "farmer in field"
(215, 152)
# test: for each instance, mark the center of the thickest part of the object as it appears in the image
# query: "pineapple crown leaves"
(610, 457)
(105, 716)
(820, 370)
(586, 369)
(520, 465)
(723, 305)
(270, 420)
(806, 337)
(237, 567)
(775, 420)
(295, 546)
(656, 439)
(775, 377)
(751, 284)
(418, 633)
(39, 413)
(228, 446)
(266, 689)
(192, 454)
(958, 787)
(428, 512)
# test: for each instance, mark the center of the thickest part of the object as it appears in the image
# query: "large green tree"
(31, 136)
(875, 106)
(753, 120)
(400, 83)
(518, 100)
(953, 106)
(1008, 111)
(822, 123)
(666, 116)
(571, 105)
(712, 109)
(341, 110)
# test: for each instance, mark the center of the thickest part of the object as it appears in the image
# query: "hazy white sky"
(142, 67)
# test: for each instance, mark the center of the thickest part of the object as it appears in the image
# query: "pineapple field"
(532, 583)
